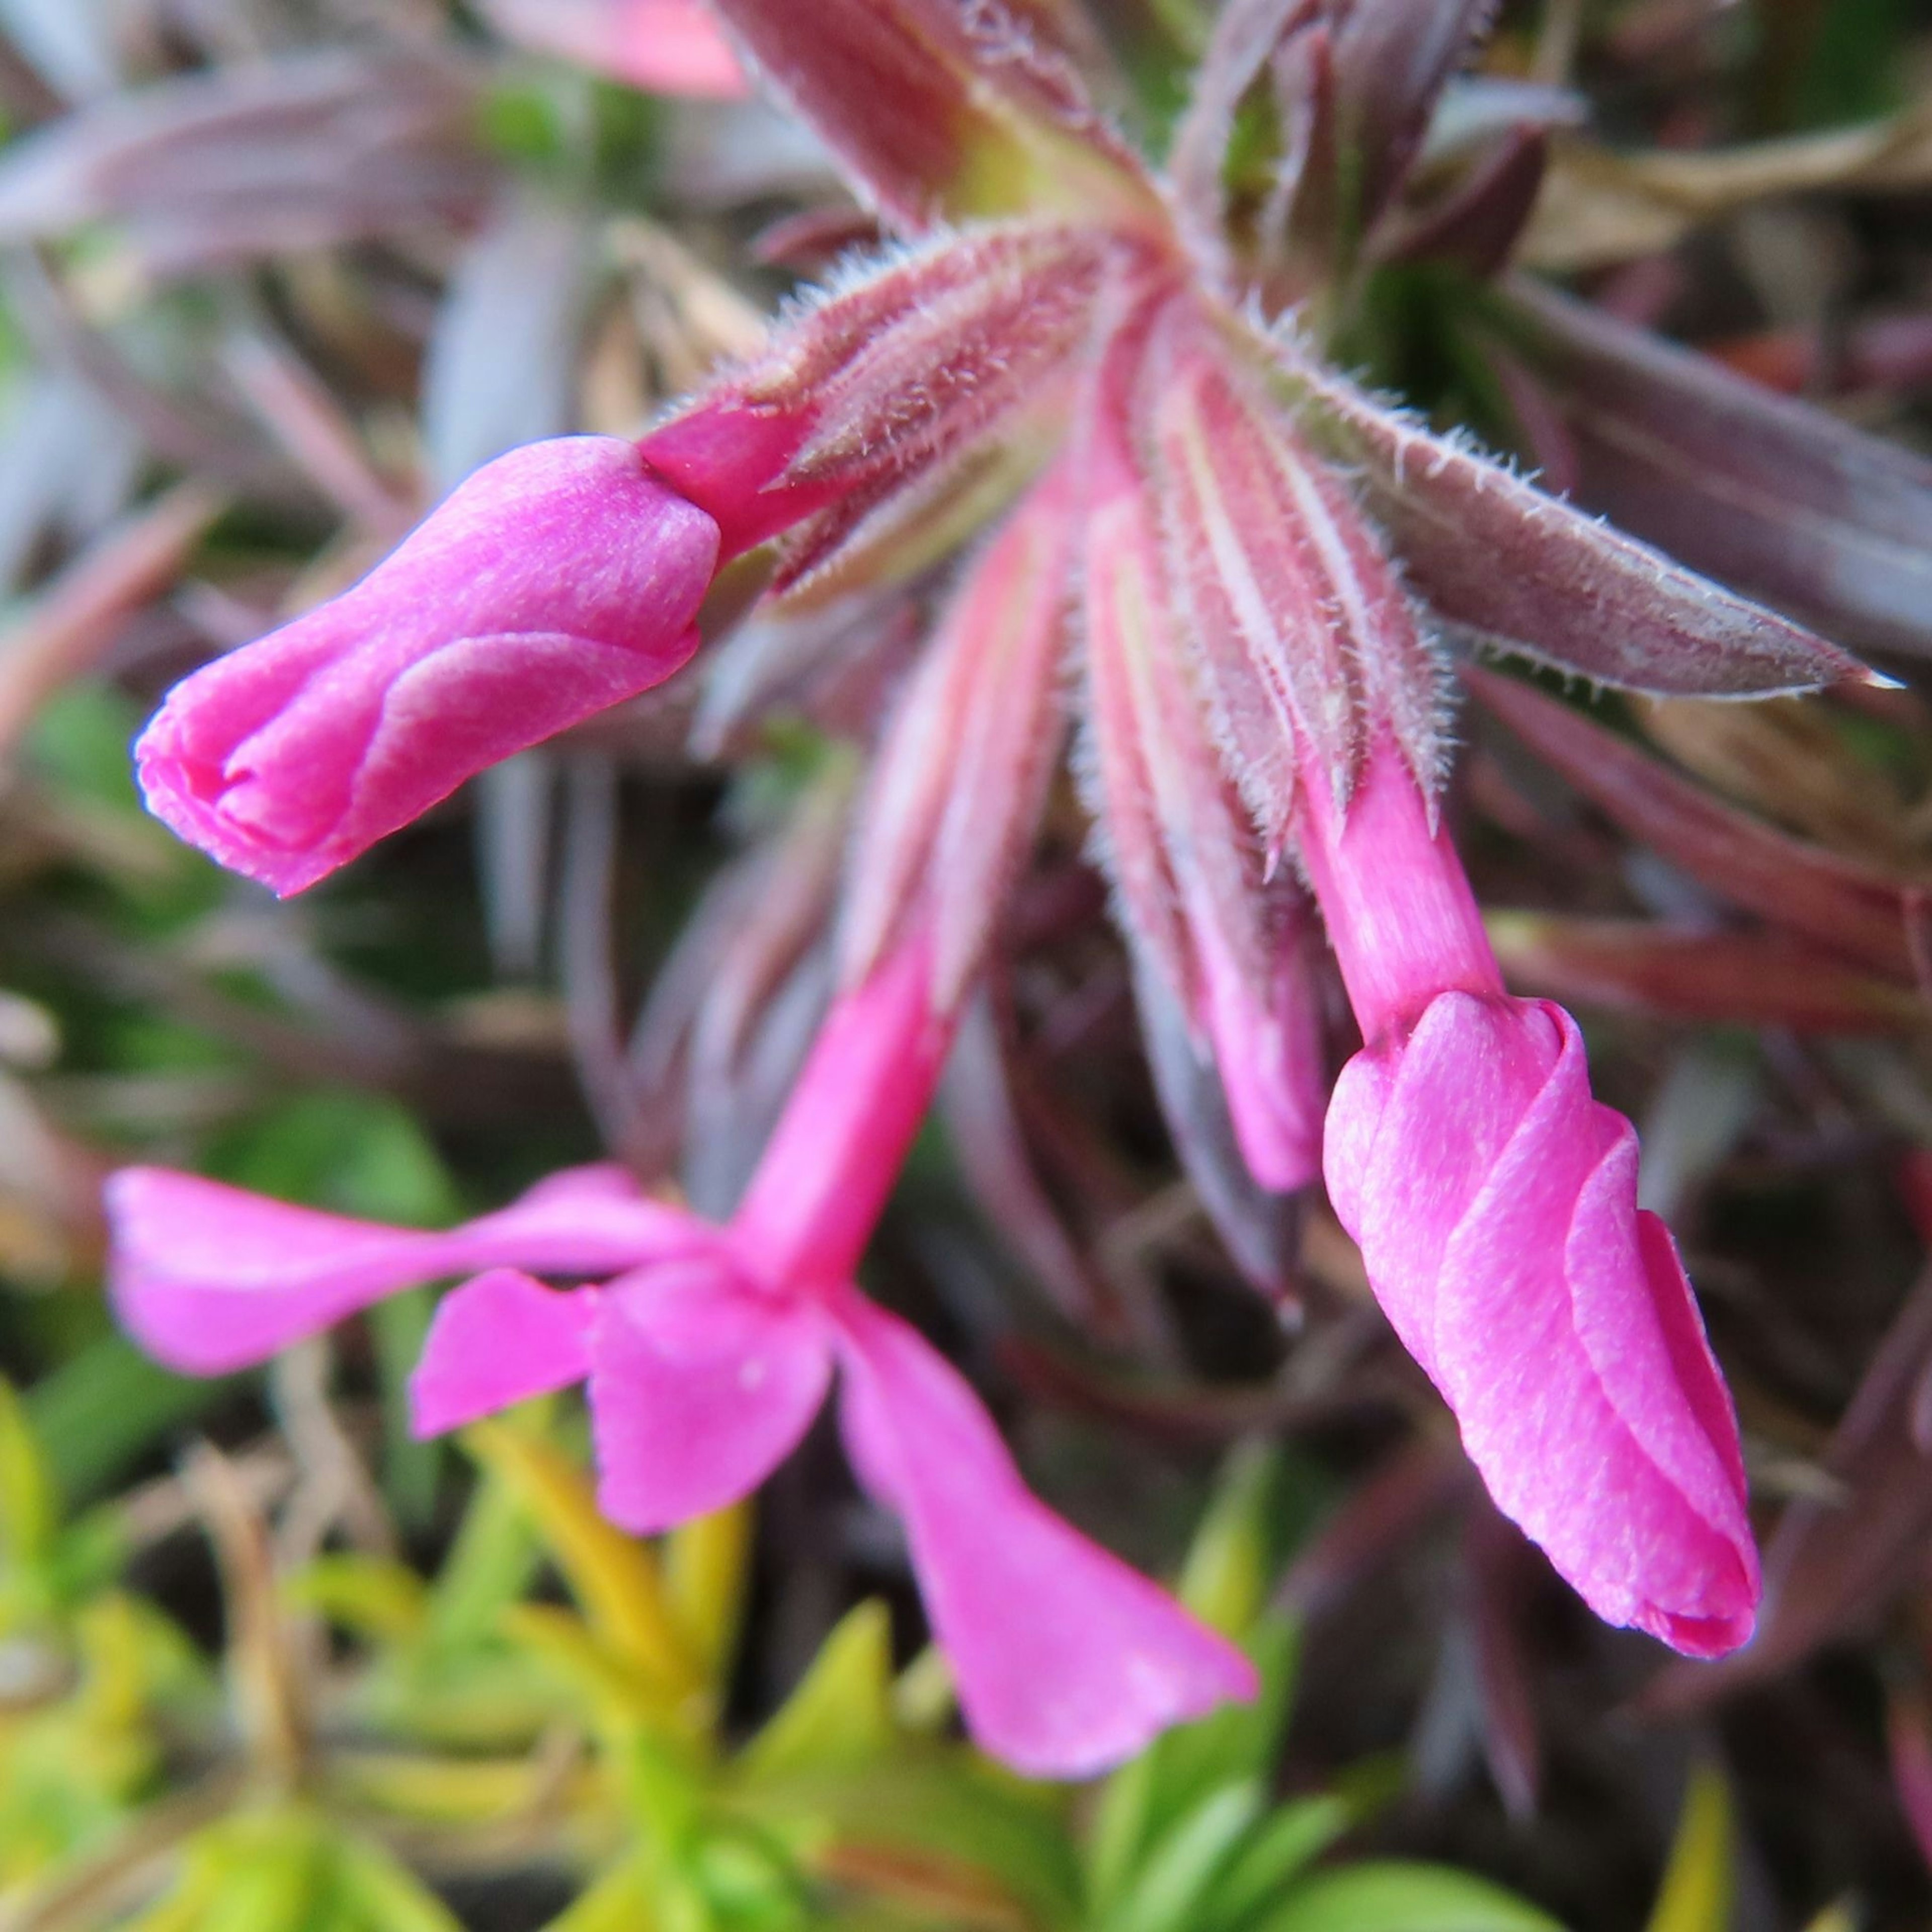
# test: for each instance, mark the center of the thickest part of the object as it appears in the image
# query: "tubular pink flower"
(558, 580)
(1495, 1203)
(708, 1352)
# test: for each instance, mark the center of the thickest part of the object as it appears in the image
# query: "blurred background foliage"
(273, 275)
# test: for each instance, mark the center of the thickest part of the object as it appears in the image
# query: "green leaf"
(1143, 1800)
(411, 1469)
(1167, 1894)
(1698, 1883)
(1402, 1897)
(1225, 1580)
(615, 1578)
(1291, 1837)
(29, 1511)
(372, 1596)
(106, 1408)
(840, 1711)
(384, 1895)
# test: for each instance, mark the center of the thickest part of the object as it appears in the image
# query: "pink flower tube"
(708, 1352)
(1495, 1203)
(558, 580)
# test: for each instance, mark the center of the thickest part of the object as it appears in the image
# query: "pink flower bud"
(559, 580)
(1495, 1203)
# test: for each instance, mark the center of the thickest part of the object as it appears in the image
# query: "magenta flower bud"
(558, 580)
(1495, 1203)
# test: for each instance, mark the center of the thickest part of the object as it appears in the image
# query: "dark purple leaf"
(1762, 490)
(1521, 572)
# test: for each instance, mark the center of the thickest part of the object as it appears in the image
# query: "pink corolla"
(558, 580)
(1494, 1202)
(707, 1352)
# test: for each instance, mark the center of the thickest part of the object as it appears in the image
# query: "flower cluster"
(1241, 565)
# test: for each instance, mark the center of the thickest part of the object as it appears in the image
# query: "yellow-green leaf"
(706, 1564)
(614, 1576)
(1698, 1883)
(841, 1709)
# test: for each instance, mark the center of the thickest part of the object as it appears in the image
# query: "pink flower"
(1494, 1202)
(558, 580)
(663, 46)
(708, 1352)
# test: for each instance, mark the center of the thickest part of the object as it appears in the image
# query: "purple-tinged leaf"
(1393, 59)
(1261, 1227)
(946, 110)
(1475, 226)
(989, 1144)
(1306, 641)
(1504, 1568)
(1853, 910)
(1248, 36)
(1834, 1561)
(961, 777)
(72, 623)
(68, 462)
(1908, 1733)
(1762, 490)
(1201, 911)
(303, 152)
(1521, 572)
(500, 362)
(899, 368)
(1721, 978)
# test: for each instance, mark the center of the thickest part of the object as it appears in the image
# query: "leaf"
(1396, 1897)
(385, 1894)
(256, 157)
(1761, 491)
(1520, 570)
(706, 1566)
(1833, 1557)
(1230, 1564)
(104, 1409)
(1698, 1882)
(1852, 909)
(1288, 1839)
(29, 1508)
(946, 110)
(1146, 1801)
(1165, 1895)
(615, 1577)
(1723, 978)
(840, 1711)
(375, 1597)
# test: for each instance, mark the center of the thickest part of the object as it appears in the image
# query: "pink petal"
(1494, 1202)
(663, 46)
(209, 1279)
(1067, 1661)
(559, 581)
(832, 1160)
(496, 1341)
(700, 1385)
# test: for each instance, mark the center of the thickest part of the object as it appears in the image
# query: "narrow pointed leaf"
(1522, 571)
(1851, 909)
(1761, 491)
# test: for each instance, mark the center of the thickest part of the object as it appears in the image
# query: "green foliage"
(477, 1711)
